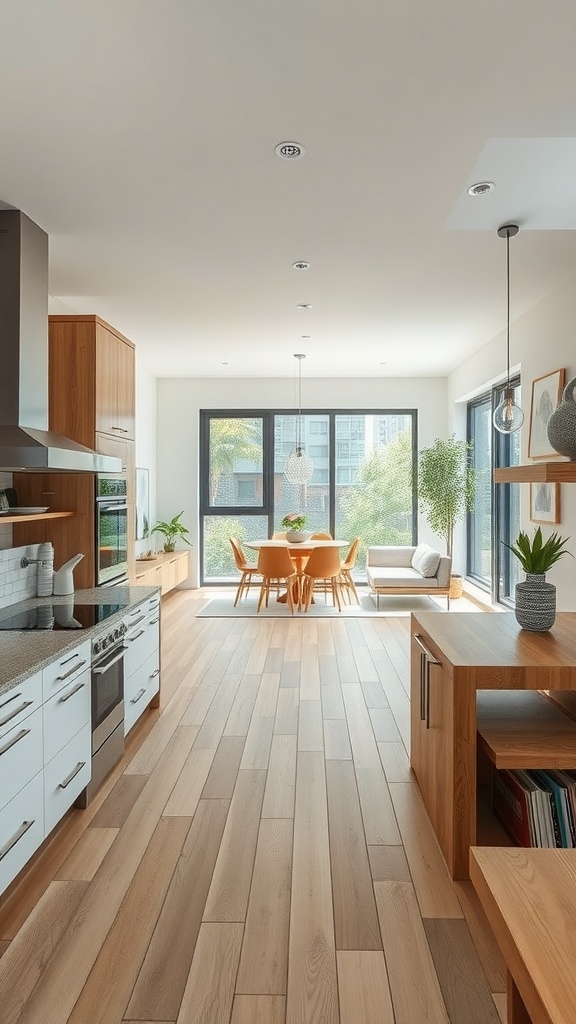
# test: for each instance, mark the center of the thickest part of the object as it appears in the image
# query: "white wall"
(179, 402)
(541, 341)
(146, 440)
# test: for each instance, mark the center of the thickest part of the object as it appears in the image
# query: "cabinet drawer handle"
(422, 686)
(138, 696)
(14, 741)
(141, 619)
(71, 658)
(73, 774)
(71, 671)
(155, 673)
(154, 621)
(16, 837)
(123, 430)
(427, 651)
(13, 696)
(79, 686)
(8, 718)
(131, 639)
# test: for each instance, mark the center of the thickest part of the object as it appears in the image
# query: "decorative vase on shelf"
(535, 603)
(562, 423)
(297, 536)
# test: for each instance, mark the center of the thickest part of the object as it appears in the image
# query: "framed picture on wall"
(545, 503)
(546, 394)
(142, 504)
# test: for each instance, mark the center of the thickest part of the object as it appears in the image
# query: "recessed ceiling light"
(304, 305)
(481, 188)
(301, 265)
(289, 150)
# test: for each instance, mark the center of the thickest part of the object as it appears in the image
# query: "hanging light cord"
(507, 308)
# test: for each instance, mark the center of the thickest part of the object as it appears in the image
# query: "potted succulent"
(172, 531)
(535, 598)
(446, 487)
(294, 524)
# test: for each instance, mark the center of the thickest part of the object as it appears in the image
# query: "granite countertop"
(23, 652)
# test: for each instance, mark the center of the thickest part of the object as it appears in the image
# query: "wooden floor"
(260, 856)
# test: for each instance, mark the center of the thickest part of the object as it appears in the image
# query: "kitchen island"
(451, 658)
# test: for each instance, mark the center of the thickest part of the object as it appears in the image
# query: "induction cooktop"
(61, 616)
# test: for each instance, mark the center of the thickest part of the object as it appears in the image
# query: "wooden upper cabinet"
(92, 379)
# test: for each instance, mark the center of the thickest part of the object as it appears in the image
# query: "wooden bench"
(529, 897)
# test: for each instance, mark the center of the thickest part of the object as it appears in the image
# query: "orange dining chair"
(321, 536)
(279, 535)
(347, 564)
(322, 569)
(249, 572)
(277, 569)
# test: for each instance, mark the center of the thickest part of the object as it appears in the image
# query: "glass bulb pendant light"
(299, 467)
(508, 417)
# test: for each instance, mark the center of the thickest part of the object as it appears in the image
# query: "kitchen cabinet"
(141, 660)
(91, 400)
(45, 755)
(166, 571)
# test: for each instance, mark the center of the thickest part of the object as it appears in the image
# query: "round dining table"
(300, 552)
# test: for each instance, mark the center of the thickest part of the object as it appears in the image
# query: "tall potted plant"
(446, 487)
(535, 598)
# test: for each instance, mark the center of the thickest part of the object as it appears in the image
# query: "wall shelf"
(537, 473)
(33, 518)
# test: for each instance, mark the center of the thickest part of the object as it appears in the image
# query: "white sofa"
(408, 570)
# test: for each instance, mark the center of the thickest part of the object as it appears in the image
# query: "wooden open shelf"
(536, 473)
(33, 518)
(523, 729)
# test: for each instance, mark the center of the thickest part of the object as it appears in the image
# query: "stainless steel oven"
(107, 688)
(111, 530)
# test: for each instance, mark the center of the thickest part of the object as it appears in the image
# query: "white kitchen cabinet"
(66, 775)
(21, 829)
(18, 703)
(66, 713)
(141, 660)
(62, 671)
(21, 755)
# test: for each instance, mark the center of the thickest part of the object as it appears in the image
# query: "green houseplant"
(172, 531)
(446, 487)
(535, 607)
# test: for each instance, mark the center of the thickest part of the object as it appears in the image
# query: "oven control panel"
(113, 636)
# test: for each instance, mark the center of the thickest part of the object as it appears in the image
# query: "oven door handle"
(117, 507)
(104, 665)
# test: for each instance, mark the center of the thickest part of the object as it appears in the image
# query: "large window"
(363, 482)
(495, 519)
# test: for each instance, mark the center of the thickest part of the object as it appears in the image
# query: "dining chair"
(277, 569)
(279, 535)
(323, 569)
(347, 564)
(321, 536)
(249, 572)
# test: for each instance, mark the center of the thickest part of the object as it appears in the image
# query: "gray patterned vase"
(535, 603)
(562, 423)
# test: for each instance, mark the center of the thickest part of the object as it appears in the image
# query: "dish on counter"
(26, 511)
(146, 558)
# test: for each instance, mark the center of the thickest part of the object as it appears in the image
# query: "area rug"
(220, 607)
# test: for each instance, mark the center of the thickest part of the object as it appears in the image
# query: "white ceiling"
(140, 135)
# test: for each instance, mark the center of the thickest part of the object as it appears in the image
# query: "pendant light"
(299, 467)
(508, 417)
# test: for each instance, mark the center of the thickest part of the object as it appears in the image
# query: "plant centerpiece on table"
(446, 488)
(535, 598)
(172, 530)
(294, 524)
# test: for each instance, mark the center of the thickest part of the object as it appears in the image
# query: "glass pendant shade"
(299, 467)
(508, 417)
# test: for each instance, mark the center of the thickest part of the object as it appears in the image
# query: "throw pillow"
(425, 560)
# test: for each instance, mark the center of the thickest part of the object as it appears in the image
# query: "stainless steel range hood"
(26, 444)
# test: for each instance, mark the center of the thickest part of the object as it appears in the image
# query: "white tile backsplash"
(16, 583)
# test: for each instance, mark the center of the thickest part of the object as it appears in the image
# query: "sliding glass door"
(363, 483)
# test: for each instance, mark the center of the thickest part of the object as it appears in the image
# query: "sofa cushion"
(381, 578)
(425, 560)
(389, 555)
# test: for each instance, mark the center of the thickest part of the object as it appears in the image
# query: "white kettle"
(63, 579)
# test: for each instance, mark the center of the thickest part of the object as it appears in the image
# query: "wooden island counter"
(451, 658)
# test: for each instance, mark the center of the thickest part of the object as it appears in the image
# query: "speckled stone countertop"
(23, 652)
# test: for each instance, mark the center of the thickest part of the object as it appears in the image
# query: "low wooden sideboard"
(452, 657)
(166, 571)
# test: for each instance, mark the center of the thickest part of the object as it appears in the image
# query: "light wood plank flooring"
(260, 856)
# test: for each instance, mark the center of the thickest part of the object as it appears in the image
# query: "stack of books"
(536, 807)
